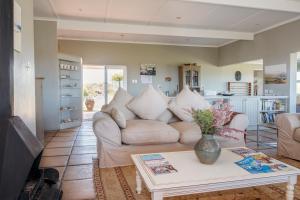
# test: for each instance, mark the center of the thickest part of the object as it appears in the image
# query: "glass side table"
(268, 128)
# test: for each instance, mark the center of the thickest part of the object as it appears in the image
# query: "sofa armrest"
(239, 122)
(106, 129)
(287, 123)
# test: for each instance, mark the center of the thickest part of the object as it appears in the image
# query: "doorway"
(100, 84)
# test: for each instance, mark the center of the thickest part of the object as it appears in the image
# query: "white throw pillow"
(182, 113)
(185, 101)
(167, 115)
(120, 100)
(149, 104)
(119, 117)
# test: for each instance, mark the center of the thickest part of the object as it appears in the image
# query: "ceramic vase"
(207, 149)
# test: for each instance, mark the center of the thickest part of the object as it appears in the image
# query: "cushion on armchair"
(141, 132)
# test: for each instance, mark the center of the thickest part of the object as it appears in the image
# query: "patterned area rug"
(119, 183)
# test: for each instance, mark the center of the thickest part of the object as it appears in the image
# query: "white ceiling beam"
(151, 30)
(276, 5)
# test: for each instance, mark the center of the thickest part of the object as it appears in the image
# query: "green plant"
(205, 119)
(85, 92)
(118, 78)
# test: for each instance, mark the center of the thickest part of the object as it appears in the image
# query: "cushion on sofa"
(185, 101)
(149, 104)
(190, 132)
(296, 135)
(140, 132)
(167, 116)
(121, 98)
(119, 117)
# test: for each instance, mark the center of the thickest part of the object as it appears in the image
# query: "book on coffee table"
(158, 164)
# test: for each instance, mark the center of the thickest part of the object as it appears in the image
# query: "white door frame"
(106, 68)
(293, 83)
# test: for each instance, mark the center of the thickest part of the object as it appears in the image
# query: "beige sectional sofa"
(288, 135)
(115, 145)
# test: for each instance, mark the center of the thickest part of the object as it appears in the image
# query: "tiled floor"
(71, 152)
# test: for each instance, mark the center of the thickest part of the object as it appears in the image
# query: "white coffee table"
(193, 177)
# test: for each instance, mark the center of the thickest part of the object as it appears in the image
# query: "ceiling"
(174, 22)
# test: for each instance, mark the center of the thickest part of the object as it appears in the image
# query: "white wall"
(167, 58)
(24, 70)
(274, 46)
(227, 73)
(47, 67)
(216, 78)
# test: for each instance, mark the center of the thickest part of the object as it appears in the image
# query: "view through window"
(100, 84)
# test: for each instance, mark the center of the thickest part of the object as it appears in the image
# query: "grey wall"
(168, 58)
(273, 46)
(47, 67)
(24, 75)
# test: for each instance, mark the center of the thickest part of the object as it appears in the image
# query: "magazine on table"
(158, 164)
(258, 162)
(243, 151)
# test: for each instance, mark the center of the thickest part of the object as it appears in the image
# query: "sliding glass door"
(100, 84)
(116, 77)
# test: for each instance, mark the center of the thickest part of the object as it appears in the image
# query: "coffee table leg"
(290, 187)
(138, 182)
(156, 196)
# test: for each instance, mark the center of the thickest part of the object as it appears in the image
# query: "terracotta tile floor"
(71, 152)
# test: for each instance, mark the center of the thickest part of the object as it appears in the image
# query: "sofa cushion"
(149, 104)
(185, 101)
(296, 135)
(190, 132)
(140, 132)
(121, 98)
(119, 117)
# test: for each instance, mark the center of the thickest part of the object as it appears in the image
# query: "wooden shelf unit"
(239, 88)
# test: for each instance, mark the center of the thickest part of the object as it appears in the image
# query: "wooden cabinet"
(190, 74)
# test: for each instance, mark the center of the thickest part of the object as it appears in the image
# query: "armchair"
(288, 135)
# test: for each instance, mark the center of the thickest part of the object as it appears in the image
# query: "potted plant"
(118, 78)
(89, 101)
(211, 122)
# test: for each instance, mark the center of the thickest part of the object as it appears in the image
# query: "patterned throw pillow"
(222, 113)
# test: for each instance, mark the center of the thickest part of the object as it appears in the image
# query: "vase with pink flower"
(212, 122)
